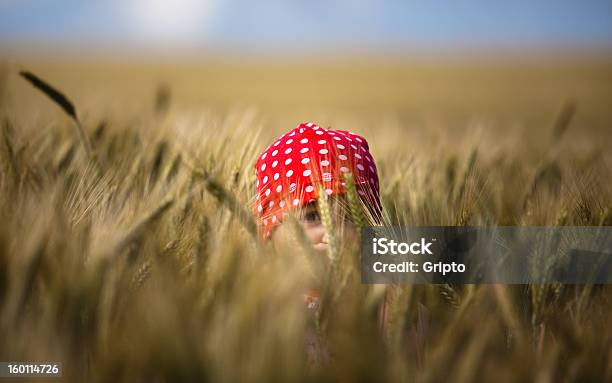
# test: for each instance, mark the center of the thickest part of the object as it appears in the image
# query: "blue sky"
(295, 25)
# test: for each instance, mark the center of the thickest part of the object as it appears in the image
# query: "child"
(291, 171)
(290, 174)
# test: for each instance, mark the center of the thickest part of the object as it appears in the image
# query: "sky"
(294, 25)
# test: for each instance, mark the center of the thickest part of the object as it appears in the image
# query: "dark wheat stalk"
(64, 103)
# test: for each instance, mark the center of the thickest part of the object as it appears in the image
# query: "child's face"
(310, 220)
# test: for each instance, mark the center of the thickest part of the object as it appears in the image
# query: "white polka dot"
(292, 134)
(354, 147)
(357, 155)
(304, 140)
(273, 219)
(315, 128)
(327, 177)
(358, 139)
(309, 188)
(289, 173)
(372, 169)
(321, 142)
(268, 192)
(340, 146)
(368, 158)
(274, 164)
(302, 130)
(309, 124)
(292, 187)
(329, 191)
(281, 203)
(288, 161)
(324, 163)
(348, 138)
(372, 180)
(271, 204)
(303, 150)
(279, 188)
(337, 138)
(319, 132)
(360, 167)
(257, 183)
(305, 160)
(288, 150)
(296, 202)
(263, 167)
(275, 152)
(276, 175)
(265, 179)
(263, 156)
(265, 221)
(289, 141)
(323, 151)
(260, 208)
(276, 143)
(332, 133)
(307, 172)
(342, 157)
(344, 169)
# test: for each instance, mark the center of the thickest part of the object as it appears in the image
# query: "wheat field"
(126, 243)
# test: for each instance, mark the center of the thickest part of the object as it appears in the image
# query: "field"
(136, 262)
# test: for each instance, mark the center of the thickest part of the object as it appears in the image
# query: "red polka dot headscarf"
(291, 170)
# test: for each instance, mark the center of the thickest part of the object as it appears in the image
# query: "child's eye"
(312, 216)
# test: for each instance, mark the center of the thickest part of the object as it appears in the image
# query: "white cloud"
(170, 21)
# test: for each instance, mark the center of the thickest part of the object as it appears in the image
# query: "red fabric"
(312, 299)
(290, 171)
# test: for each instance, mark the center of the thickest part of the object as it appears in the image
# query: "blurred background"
(124, 254)
(419, 64)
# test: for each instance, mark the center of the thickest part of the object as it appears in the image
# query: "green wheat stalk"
(332, 254)
(326, 220)
(354, 203)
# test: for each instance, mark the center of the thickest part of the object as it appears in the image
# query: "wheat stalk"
(354, 203)
(65, 104)
(226, 198)
(327, 221)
